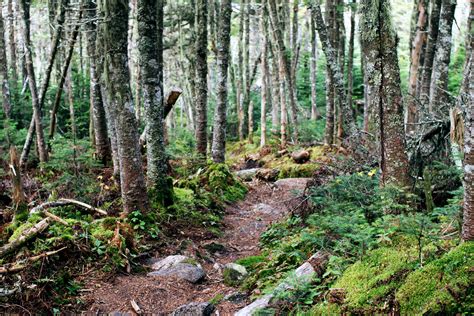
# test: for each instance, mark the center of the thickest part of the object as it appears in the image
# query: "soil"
(243, 223)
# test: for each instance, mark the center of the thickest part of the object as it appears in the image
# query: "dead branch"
(25, 236)
(55, 218)
(63, 202)
(18, 266)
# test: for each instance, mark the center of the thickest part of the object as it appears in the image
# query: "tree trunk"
(314, 70)
(430, 50)
(285, 64)
(4, 73)
(418, 42)
(12, 42)
(64, 71)
(348, 123)
(264, 68)
(223, 54)
(439, 98)
(56, 38)
(350, 59)
(152, 86)
(102, 146)
(276, 90)
(468, 87)
(40, 141)
(132, 179)
(201, 77)
(379, 42)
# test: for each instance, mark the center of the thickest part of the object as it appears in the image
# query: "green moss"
(103, 228)
(369, 283)
(323, 309)
(232, 277)
(17, 228)
(251, 262)
(443, 286)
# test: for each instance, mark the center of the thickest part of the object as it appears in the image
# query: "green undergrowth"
(382, 248)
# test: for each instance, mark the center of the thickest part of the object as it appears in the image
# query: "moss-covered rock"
(443, 286)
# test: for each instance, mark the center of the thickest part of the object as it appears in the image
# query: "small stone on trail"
(234, 274)
(263, 208)
(194, 309)
(247, 174)
(179, 266)
(235, 297)
(214, 247)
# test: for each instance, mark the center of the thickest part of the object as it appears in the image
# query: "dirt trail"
(243, 223)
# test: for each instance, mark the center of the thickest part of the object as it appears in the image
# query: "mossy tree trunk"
(117, 79)
(223, 44)
(201, 77)
(379, 43)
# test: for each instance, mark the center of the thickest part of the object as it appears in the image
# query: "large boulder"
(247, 174)
(194, 309)
(178, 266)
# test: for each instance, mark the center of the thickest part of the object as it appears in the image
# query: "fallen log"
(18, 266)
(26, 235)
(64, 202)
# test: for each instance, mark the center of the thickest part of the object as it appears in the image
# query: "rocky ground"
(190, 278)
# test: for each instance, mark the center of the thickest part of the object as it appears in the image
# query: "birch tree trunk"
(350, 58)
(4, 72)
(276, 91)
(12, 42)
(201, 77)
(264, 69)
(132, 179)
(439, 98)
(379, 43)
(40, 140)
(223, 54)
(151, 69)
(102, 146)
(314, 69)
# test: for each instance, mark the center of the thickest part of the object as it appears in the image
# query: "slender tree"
(223, 54)
(314, 69)
(150, 61)
(117, 79)
(12, 42)
(439, 97)
(350, 57)
(264, 70)
(4, 72)
(379, 42)
(201, 77)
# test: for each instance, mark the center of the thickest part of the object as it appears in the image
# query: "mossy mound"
(369, 284)
(443, 286)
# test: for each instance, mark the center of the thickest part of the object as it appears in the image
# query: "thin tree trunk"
(348, 122)
(7, 108)
(223, 54)
(149, 51)
(276, 90)
(264, 68)
(12, 42)
(379, 42)
(102, 146)
(56, 37)
(132, 179)
(425, 82)
(246, 67)
(439, 98)
(314, 70)
(350, 58)
(240, 73)
(40, 141)
(64, 71)
(201, 77)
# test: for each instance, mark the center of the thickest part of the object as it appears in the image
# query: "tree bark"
(350, 59)
(102, 146)
(7, 108)
(223, 44)
(275, 79)
(150, 64)
(348, 122)
(379, 43)
(430, 50)
(40, 141)
(264, 69)
(418, 42)
(439, 98)
(132, 179)
(201, 77)
(315, 114)
(12, 42)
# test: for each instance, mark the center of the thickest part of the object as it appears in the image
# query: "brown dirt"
(243, 224)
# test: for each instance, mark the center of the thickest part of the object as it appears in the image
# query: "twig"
(64, 202)
(18, 266)
(55, 218)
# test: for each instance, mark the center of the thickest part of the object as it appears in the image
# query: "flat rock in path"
(236, 297)
(263, 208)
(247, 174)
(178, 266)
(194, 309)
(292, 183)
(261, 303)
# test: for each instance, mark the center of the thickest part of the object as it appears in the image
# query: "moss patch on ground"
(443, 286)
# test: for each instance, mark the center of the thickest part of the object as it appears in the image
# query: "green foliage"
(443, 286)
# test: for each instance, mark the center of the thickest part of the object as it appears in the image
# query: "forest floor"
(242, 225)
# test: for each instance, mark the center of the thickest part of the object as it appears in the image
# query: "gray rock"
(247, 174)
(234, 274)
(186, 271)
(261, 303)
(263, 208)
(194, 309)
(236, 297)
(168, 262)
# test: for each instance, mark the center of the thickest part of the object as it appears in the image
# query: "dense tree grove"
(131, 130)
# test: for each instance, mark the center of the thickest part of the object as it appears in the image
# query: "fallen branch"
(63, 202)
(18, 266)
(55, 218)
(25, 236)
